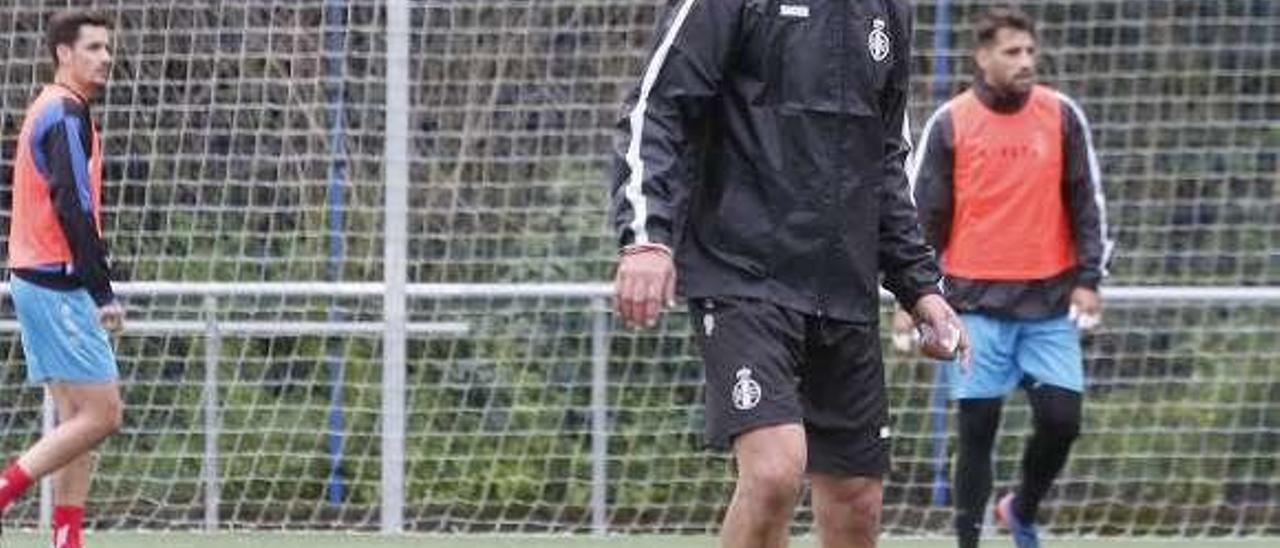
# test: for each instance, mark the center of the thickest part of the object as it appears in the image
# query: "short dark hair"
(64, 28)
(1002, 17)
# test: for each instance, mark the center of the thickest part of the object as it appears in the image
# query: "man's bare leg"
(71, 482)
(98, 413)
(771, 463)
(88, 413)
(847, 510)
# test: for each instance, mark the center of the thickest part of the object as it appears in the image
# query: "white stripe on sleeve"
(634, 190)
(918, 156)
(1095, 180)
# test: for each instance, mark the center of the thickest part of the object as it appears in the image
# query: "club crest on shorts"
(746, 392)
(878, 41)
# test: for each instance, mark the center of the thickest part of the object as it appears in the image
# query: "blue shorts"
(1007, 352)
(61, 336)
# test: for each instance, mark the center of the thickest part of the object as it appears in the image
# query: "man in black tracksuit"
(763, 152)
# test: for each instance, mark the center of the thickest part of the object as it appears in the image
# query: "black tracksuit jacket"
(765, 145)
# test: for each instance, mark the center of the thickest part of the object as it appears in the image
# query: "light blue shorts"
(1008, 352)
(61, 336)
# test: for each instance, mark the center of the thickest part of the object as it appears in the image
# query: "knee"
(1057, 413)
(860, 504)
(867, 503)
(110, 416)
(1063, 427)
(848, 509)
(776, 482)
(978, 419)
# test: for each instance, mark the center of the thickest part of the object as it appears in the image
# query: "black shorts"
(769, 365)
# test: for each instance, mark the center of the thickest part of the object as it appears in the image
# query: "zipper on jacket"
(843, 54)
(840, 147)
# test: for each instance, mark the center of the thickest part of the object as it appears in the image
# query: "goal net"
(245, 143)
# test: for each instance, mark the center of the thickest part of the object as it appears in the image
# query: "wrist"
(1088, 281)
(1085, 288)
(633, 249)
(103, 298)
(923, 299)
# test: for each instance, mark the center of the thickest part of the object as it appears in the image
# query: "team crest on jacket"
(878, 41)
(746, 392)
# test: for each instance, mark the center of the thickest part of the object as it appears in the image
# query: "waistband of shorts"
(59, 281)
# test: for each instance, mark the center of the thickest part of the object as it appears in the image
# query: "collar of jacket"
(998, 100)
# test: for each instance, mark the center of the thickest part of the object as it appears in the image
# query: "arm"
(1082, 187)
(683, 72)
(63, 146)
(932, 178)
(910, 267)
(650, 187)
(910, 270)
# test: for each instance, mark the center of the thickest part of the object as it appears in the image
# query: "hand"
(111, 316)
(943, 336)
(905, 336)
(1086, 308)
(646, 281)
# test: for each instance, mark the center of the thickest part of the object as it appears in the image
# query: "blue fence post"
(941, 382)
(335, 16)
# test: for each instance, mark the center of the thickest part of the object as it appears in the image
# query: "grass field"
(286, 540)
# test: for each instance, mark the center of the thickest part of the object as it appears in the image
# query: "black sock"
(1056, 418)
(978, 421)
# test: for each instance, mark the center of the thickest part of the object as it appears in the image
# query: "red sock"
(66, 526)
(13, 482)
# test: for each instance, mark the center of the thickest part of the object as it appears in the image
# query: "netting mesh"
(244, 143)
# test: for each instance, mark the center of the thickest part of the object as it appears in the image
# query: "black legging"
(1056, 422)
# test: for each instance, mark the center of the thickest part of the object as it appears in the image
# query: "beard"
(1017, 84)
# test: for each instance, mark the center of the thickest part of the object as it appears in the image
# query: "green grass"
(336, 540)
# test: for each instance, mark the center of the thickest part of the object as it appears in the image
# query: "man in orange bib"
(60, 276)
(1008, 190)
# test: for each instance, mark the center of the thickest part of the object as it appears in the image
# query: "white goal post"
(210, 326)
